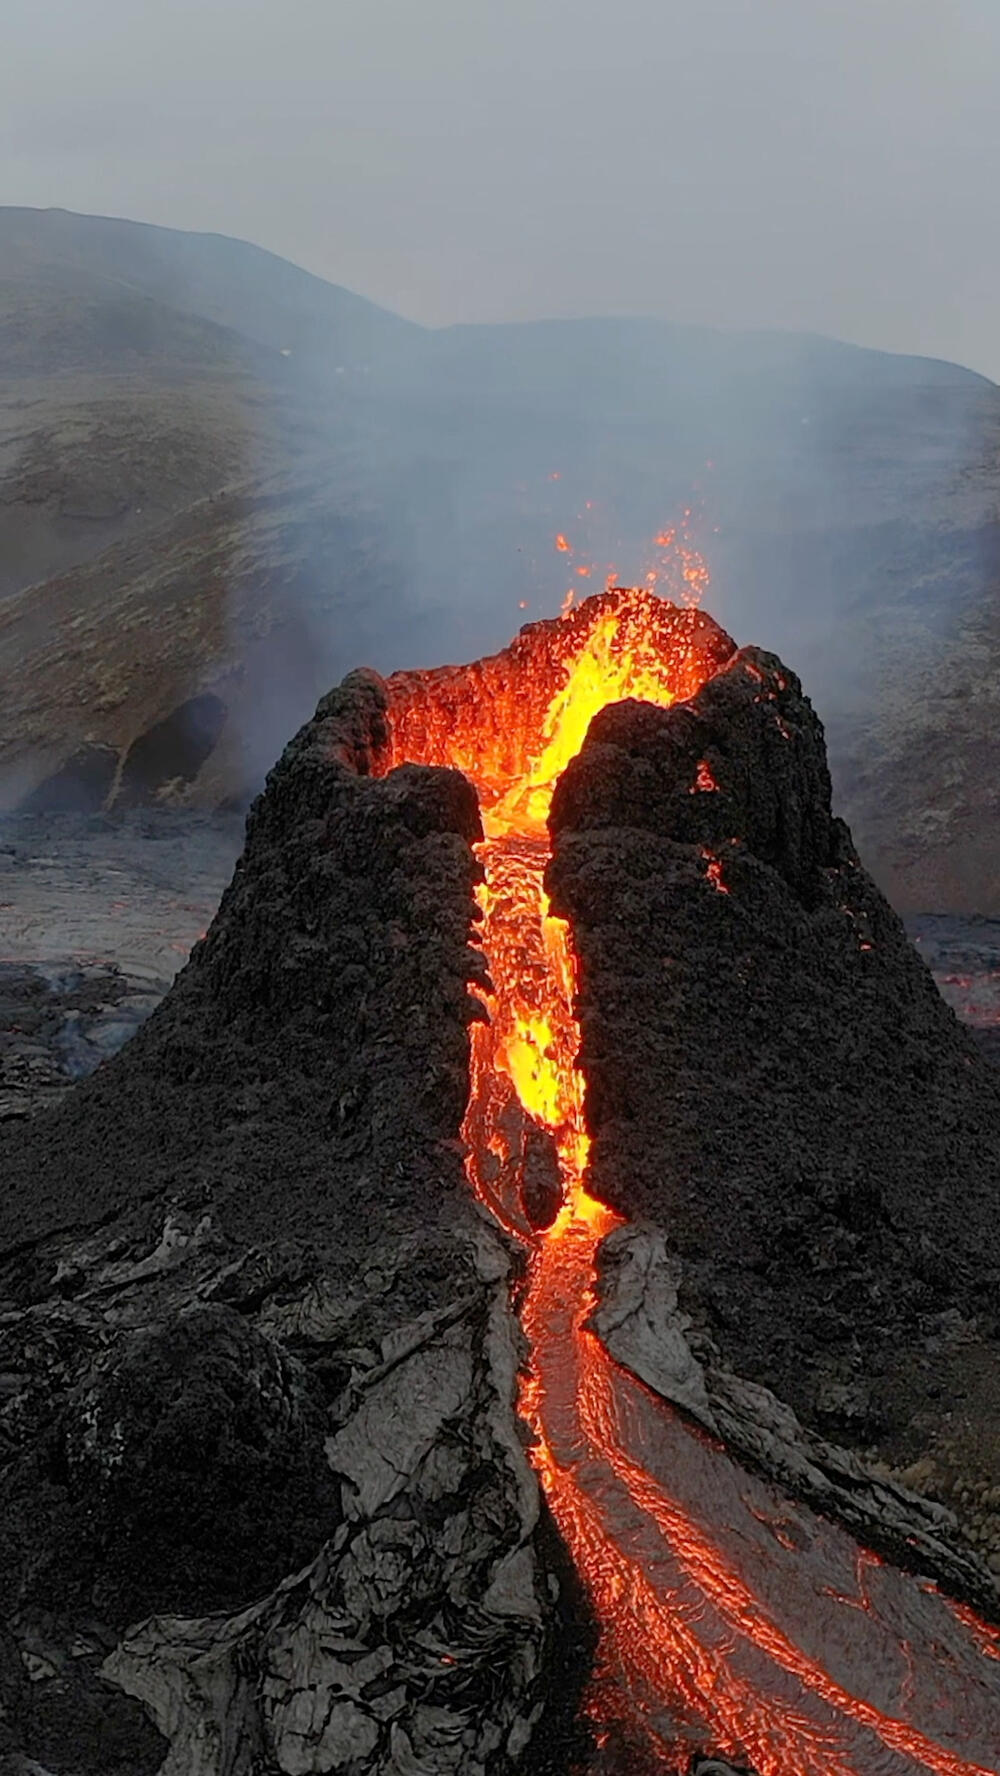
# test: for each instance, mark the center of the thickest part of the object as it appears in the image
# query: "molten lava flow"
(525, 1056)
(693, 1655)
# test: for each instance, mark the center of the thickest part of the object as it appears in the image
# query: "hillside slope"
(209, 281)
(222, 476)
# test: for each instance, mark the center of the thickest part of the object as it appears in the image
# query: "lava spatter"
(715, 1636)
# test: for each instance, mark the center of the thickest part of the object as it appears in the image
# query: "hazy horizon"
(542, 318)
(829, 170)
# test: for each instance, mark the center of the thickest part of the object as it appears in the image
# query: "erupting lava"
(694, 1656)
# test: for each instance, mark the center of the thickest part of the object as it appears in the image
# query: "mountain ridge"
(847, 502)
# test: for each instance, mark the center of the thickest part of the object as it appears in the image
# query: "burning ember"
(692, 1566)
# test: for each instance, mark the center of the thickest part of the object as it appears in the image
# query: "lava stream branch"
(674, 1619)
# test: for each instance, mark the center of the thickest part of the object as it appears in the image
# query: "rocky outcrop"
(310, 1061)
(58, 1022)
(282, 1505)
(773, 1079)
(875, 1667)
(639, 1319)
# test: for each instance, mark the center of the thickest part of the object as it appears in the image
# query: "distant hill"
(224, 478)
(157, 291)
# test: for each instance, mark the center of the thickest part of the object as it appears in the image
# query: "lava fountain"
(717, 1635)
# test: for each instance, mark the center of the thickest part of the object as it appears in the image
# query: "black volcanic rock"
(314, 1050)
(264, 1498)
(772, 1076)
(185, 1473)
(261, 1484)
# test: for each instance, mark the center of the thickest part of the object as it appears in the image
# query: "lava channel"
(733, 1622)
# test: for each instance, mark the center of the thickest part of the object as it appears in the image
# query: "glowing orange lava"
(692, 1656)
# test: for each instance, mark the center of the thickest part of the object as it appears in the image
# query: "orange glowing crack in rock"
(692, 1654)
(704, 780)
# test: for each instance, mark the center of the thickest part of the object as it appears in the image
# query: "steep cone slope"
(312, 1054)
(772, 1076)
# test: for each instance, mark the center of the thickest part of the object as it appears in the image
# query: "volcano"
(507, 1308)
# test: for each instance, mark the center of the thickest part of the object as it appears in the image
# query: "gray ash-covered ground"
(964, 958)
(97, 915)
(135, 889)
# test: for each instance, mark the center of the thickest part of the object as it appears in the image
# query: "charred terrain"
(269, 478)
(525, 1299)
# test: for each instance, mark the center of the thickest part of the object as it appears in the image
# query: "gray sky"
(825, 164)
